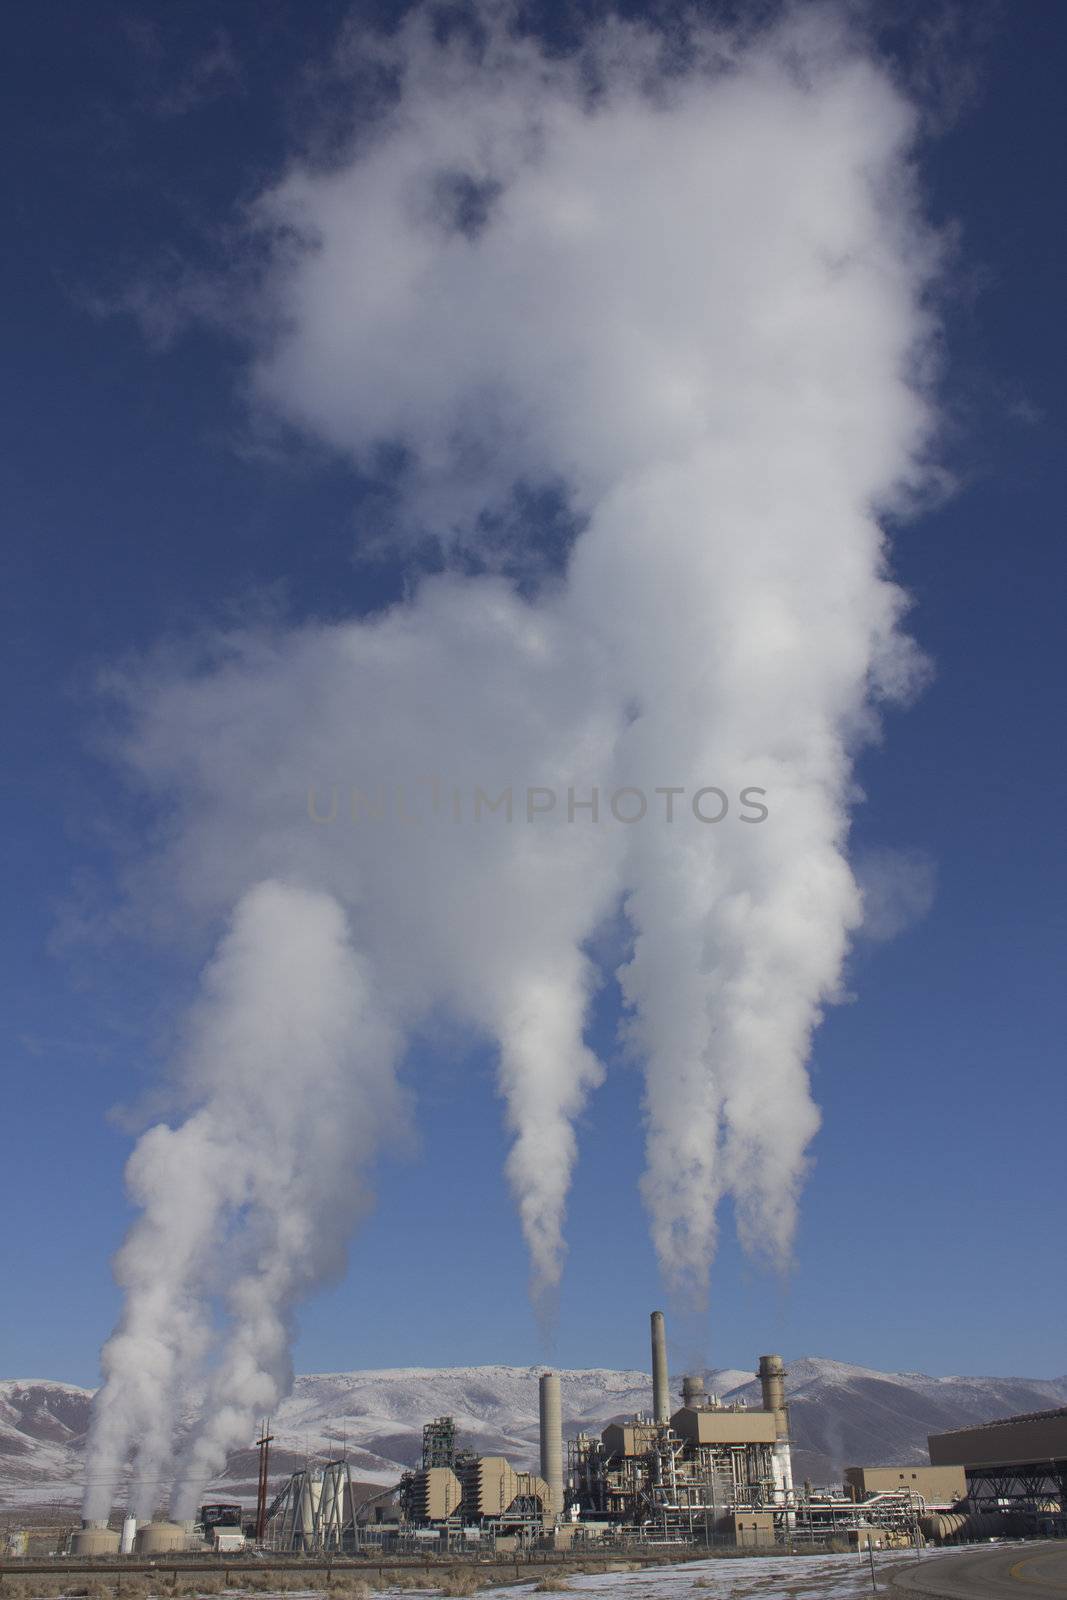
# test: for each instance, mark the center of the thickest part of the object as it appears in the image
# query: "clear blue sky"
(931, 1235)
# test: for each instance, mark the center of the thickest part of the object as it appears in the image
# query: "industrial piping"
(661, 1383)
(552, 1439)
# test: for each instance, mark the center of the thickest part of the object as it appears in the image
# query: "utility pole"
(263, 1444)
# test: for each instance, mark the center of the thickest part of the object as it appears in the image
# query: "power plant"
(706, 1472)
(698, 1472)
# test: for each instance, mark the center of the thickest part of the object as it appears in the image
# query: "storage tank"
(959, 1527)
(160, 1538)
(94, 1539)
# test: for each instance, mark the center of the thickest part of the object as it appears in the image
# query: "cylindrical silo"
(160, 1538)
(661, 1383)
(552, 1439)
(94, 1539)
(126, 1538)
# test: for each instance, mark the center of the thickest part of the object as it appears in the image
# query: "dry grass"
(461, 1583)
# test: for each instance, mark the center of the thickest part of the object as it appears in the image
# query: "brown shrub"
(461, 1583)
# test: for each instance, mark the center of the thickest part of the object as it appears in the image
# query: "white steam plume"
(695, 298)
(254, 1196)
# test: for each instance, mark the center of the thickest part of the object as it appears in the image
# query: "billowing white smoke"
(695, 298)
(252, 1199)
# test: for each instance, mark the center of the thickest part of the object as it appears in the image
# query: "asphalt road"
(1016, 1572)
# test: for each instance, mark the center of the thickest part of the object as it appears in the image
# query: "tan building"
(1016, 1465)
(723, 1426)
(751, 1529)
(939, 1486)
(435, 1494)
(629, 1438)
(491, 1486)
(1037, 1436)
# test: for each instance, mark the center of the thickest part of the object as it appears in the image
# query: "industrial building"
(706, 1470)
(1015, 1468)
(219, 1529)
(699, 1471)
(940, 1488)
(695, 1470)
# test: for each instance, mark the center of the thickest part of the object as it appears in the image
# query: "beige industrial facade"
(939, 1486)
(1037, 1436)
(1015, 1468)
(491, 1486)
(436, 1494)
(724, 1427)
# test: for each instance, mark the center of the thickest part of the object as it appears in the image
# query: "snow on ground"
(838, 1577)
(829, 1577)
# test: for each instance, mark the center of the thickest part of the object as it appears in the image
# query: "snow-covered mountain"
(841, 1415)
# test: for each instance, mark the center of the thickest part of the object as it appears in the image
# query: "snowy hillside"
(841, 1414)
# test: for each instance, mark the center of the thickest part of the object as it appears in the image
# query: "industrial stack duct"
(661, 1384)
(693, 1391)
(552, 1440)
(772, 1381)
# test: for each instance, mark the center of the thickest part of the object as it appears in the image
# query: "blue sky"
(132, 510)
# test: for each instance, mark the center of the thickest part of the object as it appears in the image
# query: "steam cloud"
(694, 297)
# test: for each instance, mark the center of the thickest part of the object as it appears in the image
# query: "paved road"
(1016, 1572)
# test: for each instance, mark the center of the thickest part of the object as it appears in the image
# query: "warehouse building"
(1015, 1466)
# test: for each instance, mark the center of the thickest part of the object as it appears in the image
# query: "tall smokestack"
(552, 1439)
(661, 1387)
(772, 1381)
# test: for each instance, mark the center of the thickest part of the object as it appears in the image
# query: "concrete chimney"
(693, 1391)
(552, 1439)
(661, 1385)
(772, 1381)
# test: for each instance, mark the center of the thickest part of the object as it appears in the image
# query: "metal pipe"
(552, 1439)
(661, 1383)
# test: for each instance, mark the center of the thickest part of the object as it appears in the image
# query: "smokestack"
(772, 1381)
(693, 1391)
(661, 1387)
(552, 1439)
